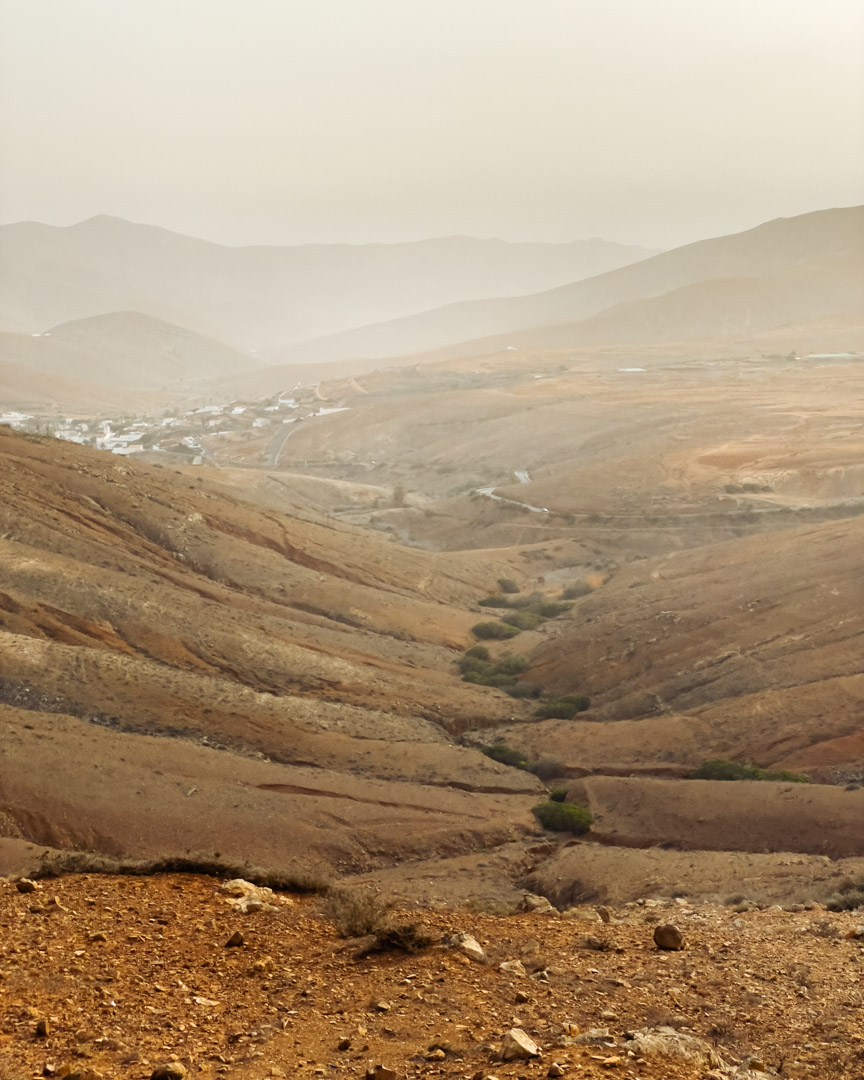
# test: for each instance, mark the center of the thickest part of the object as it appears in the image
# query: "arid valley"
(358, 622)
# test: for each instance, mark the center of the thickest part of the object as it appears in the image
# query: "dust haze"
(431, 539)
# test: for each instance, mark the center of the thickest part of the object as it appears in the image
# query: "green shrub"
(573, 592)
(721, 769)
(512, 665)
(478, 651)
(558, 794)
(497, 631)
(523, 620)
(552, 608)
(563, 817)
(848, 897)
(507, 585)
(563, 708)
(506, 755)
(495, 601)
(531, 600)
(475, 664)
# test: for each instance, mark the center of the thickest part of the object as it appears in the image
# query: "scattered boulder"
(666, 1042)
(539, 905)
(555, 1070)
(26, 885)
(43, 1029)
(513, 967)
(517, 1046)
(582, 914)
(668, 937)
(343, 1044)
(471, 947)
(595, 1037)
(244, 897)
(380, 1072)
(235, 941)
(172, 1070)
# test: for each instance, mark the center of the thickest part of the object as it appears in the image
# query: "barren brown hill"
(140, 607)
(748, 648)
(123, 351)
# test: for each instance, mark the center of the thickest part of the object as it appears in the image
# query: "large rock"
(517, 1046)
(666, 1042)
(539, 905)
(668, 937)
(471, 947)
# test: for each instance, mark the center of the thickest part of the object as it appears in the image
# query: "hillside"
(122, 351)
(174, 639)
(747, 648)
(810, 250)
(261, 298)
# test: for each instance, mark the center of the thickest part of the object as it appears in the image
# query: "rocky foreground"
(174, 976)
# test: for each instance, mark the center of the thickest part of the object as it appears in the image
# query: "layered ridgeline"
(261, 298)
(789, 271)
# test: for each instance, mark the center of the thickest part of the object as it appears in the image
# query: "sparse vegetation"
(359, 913)
(563, 817)
(523, 620)
(721, 769)
(506, 755)
(507, 585)
(563, 708)
(356, 912)
(494, 631)
(849, 896)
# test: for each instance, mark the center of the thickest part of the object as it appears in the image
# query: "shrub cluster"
(848, 897)
(563, 708)
(493, 631)
(544, 768)
(563, 817)
(721, 769)
(502, 674)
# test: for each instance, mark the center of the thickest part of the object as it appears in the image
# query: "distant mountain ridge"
(263, 298)
(826, 246)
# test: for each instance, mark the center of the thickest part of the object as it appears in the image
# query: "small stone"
(436, 1055)
(540, 905)
(381, 1006)
(555, 1070)
(172, 1070)
(380, 1072)
(43, 1029)
(521, 997)
(235, 940)
(471, 947)
(513, 967)
(668, 937)
(26, 885)
(605, 914)
(98, 936)
(517, 1046)
(343, 1044)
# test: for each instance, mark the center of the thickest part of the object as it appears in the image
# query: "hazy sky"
(288, 121)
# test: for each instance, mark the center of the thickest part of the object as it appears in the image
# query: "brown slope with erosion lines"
(141, 605)
(750, 648)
